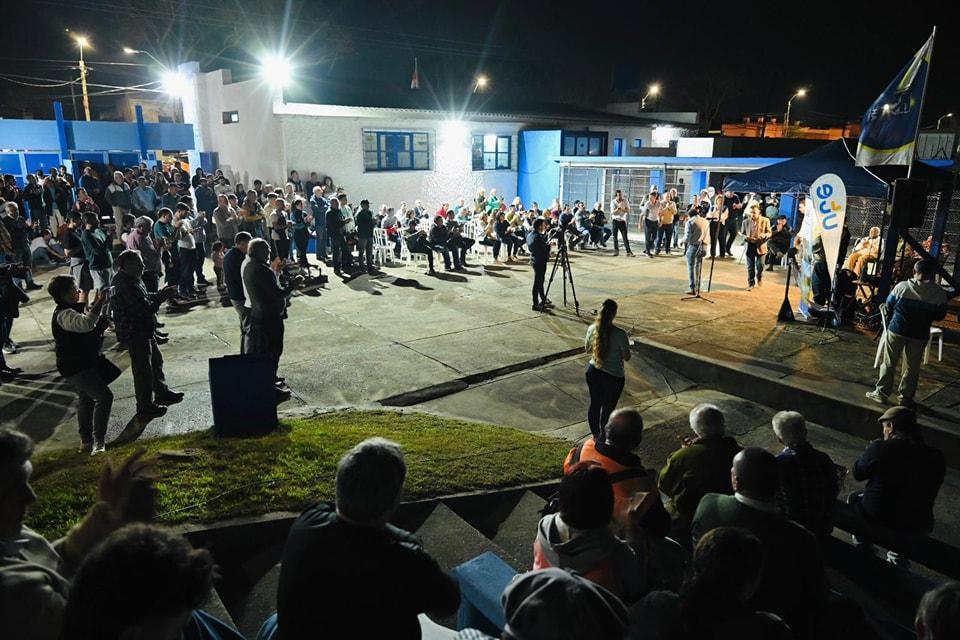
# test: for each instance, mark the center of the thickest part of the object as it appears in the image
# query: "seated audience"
(779, 242)
(714, 602)
(865, 251)
(637, 502)
(809, 480)
(579, 538)
(34, 573)
(903, 476)
(348, 573)
(792, 583)
(550, 604)
(158, 600)
(938, 616)
(417, 243)
(700, 466)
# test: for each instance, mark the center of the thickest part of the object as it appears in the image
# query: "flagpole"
(923, 97)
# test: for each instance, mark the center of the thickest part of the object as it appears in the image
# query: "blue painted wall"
(538, 174)
(29, 134)
(41, 135)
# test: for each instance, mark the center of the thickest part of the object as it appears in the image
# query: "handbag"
(107, 371)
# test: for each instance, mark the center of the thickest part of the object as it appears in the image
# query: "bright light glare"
(482, 81)
(801, 93)
(81, 40)
(453, 130)
(886, 108)
(276, 70)
(654, 89)
(129, 51)
(175, 84)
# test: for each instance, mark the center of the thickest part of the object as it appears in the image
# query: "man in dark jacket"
(135, 321)
(78, 337)
(233, 278)
(319, 206)
(903, 475)
(792, 583)
(539, 258)
(376, 578)
(268, 303)
(439, 238)
(338, 244)
(364, 220)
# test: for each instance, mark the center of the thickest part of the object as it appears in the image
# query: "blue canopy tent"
(796, 175)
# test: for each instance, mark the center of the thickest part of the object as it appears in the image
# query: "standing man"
(73, 248)
(233, 278)
(697, 237)
(758, 232)
(134, 316)
(365, 236)
(268, 306)
(539, 258)
(78, 336)
(119, 198)
(619, 213)
(96, 249)
(338, 244)
(912, 306)
(651, 222)
(731, 202)
(319, 206)
(144, 199)
(19, 230)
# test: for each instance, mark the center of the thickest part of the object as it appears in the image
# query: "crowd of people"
(723, 542)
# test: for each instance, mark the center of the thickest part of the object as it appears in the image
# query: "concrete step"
(452, 541)
(516, 534)
(259, 603)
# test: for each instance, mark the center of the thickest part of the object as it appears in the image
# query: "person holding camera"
(78, 338)
(19, 230)
(539, 258)
(268, 306)
(134, 317)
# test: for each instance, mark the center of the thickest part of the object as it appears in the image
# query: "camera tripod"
(562, 261)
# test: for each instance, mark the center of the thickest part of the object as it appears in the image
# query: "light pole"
(130, 52)
(652, 90)
(82, 42)
(786, 119)
(481, 84)
(940, 119)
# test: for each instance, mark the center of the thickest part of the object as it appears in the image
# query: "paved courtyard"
(362, 340)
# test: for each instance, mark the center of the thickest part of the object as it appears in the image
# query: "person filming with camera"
(539, 257)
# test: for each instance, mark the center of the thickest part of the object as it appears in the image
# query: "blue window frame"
(396, 150)
(491, 152)
(618, 146)
(583, 143)
(637, 143)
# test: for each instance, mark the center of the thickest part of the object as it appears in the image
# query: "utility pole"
(83, 78)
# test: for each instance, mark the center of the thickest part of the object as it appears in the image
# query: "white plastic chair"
(938, 333)
(382, 248)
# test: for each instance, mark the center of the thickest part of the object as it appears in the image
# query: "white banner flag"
(829, 198)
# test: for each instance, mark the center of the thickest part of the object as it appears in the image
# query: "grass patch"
(295, 466)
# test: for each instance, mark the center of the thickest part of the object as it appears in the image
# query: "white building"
(388, 154)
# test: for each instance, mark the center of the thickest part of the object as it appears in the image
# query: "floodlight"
(175, 84)
(277, 70)
(81, 40)
(654, 89)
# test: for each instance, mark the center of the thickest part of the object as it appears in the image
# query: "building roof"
(473, 106)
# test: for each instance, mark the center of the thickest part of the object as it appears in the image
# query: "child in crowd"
(216, 255)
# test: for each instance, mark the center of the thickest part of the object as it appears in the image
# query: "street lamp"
(82, 42)
(481, 84)
(652, 90)
(946, 115)
(130, 52)
(786, 119)
(276, 70)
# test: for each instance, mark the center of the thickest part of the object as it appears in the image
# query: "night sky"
(731, 58)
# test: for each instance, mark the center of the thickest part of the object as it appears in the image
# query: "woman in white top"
(187, 244)
(609, 347)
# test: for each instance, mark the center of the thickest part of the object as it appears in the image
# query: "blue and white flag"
(889, 128)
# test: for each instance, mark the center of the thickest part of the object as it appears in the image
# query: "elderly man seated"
(809, 480)
(700, 466)
(35, 575)
(792, 582)
(346, 572)
(866, 250)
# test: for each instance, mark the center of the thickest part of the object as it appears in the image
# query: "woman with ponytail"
(608, 347)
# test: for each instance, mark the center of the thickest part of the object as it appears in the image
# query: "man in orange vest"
(636, 495)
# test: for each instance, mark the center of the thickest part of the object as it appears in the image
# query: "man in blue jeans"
(319, 206)
(697, 237)
(758, 232)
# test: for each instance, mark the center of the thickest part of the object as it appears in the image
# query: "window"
(618, 146)
(583, 143)
(637, 143)
(230, 117)
(491, 152)
(396, 150)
